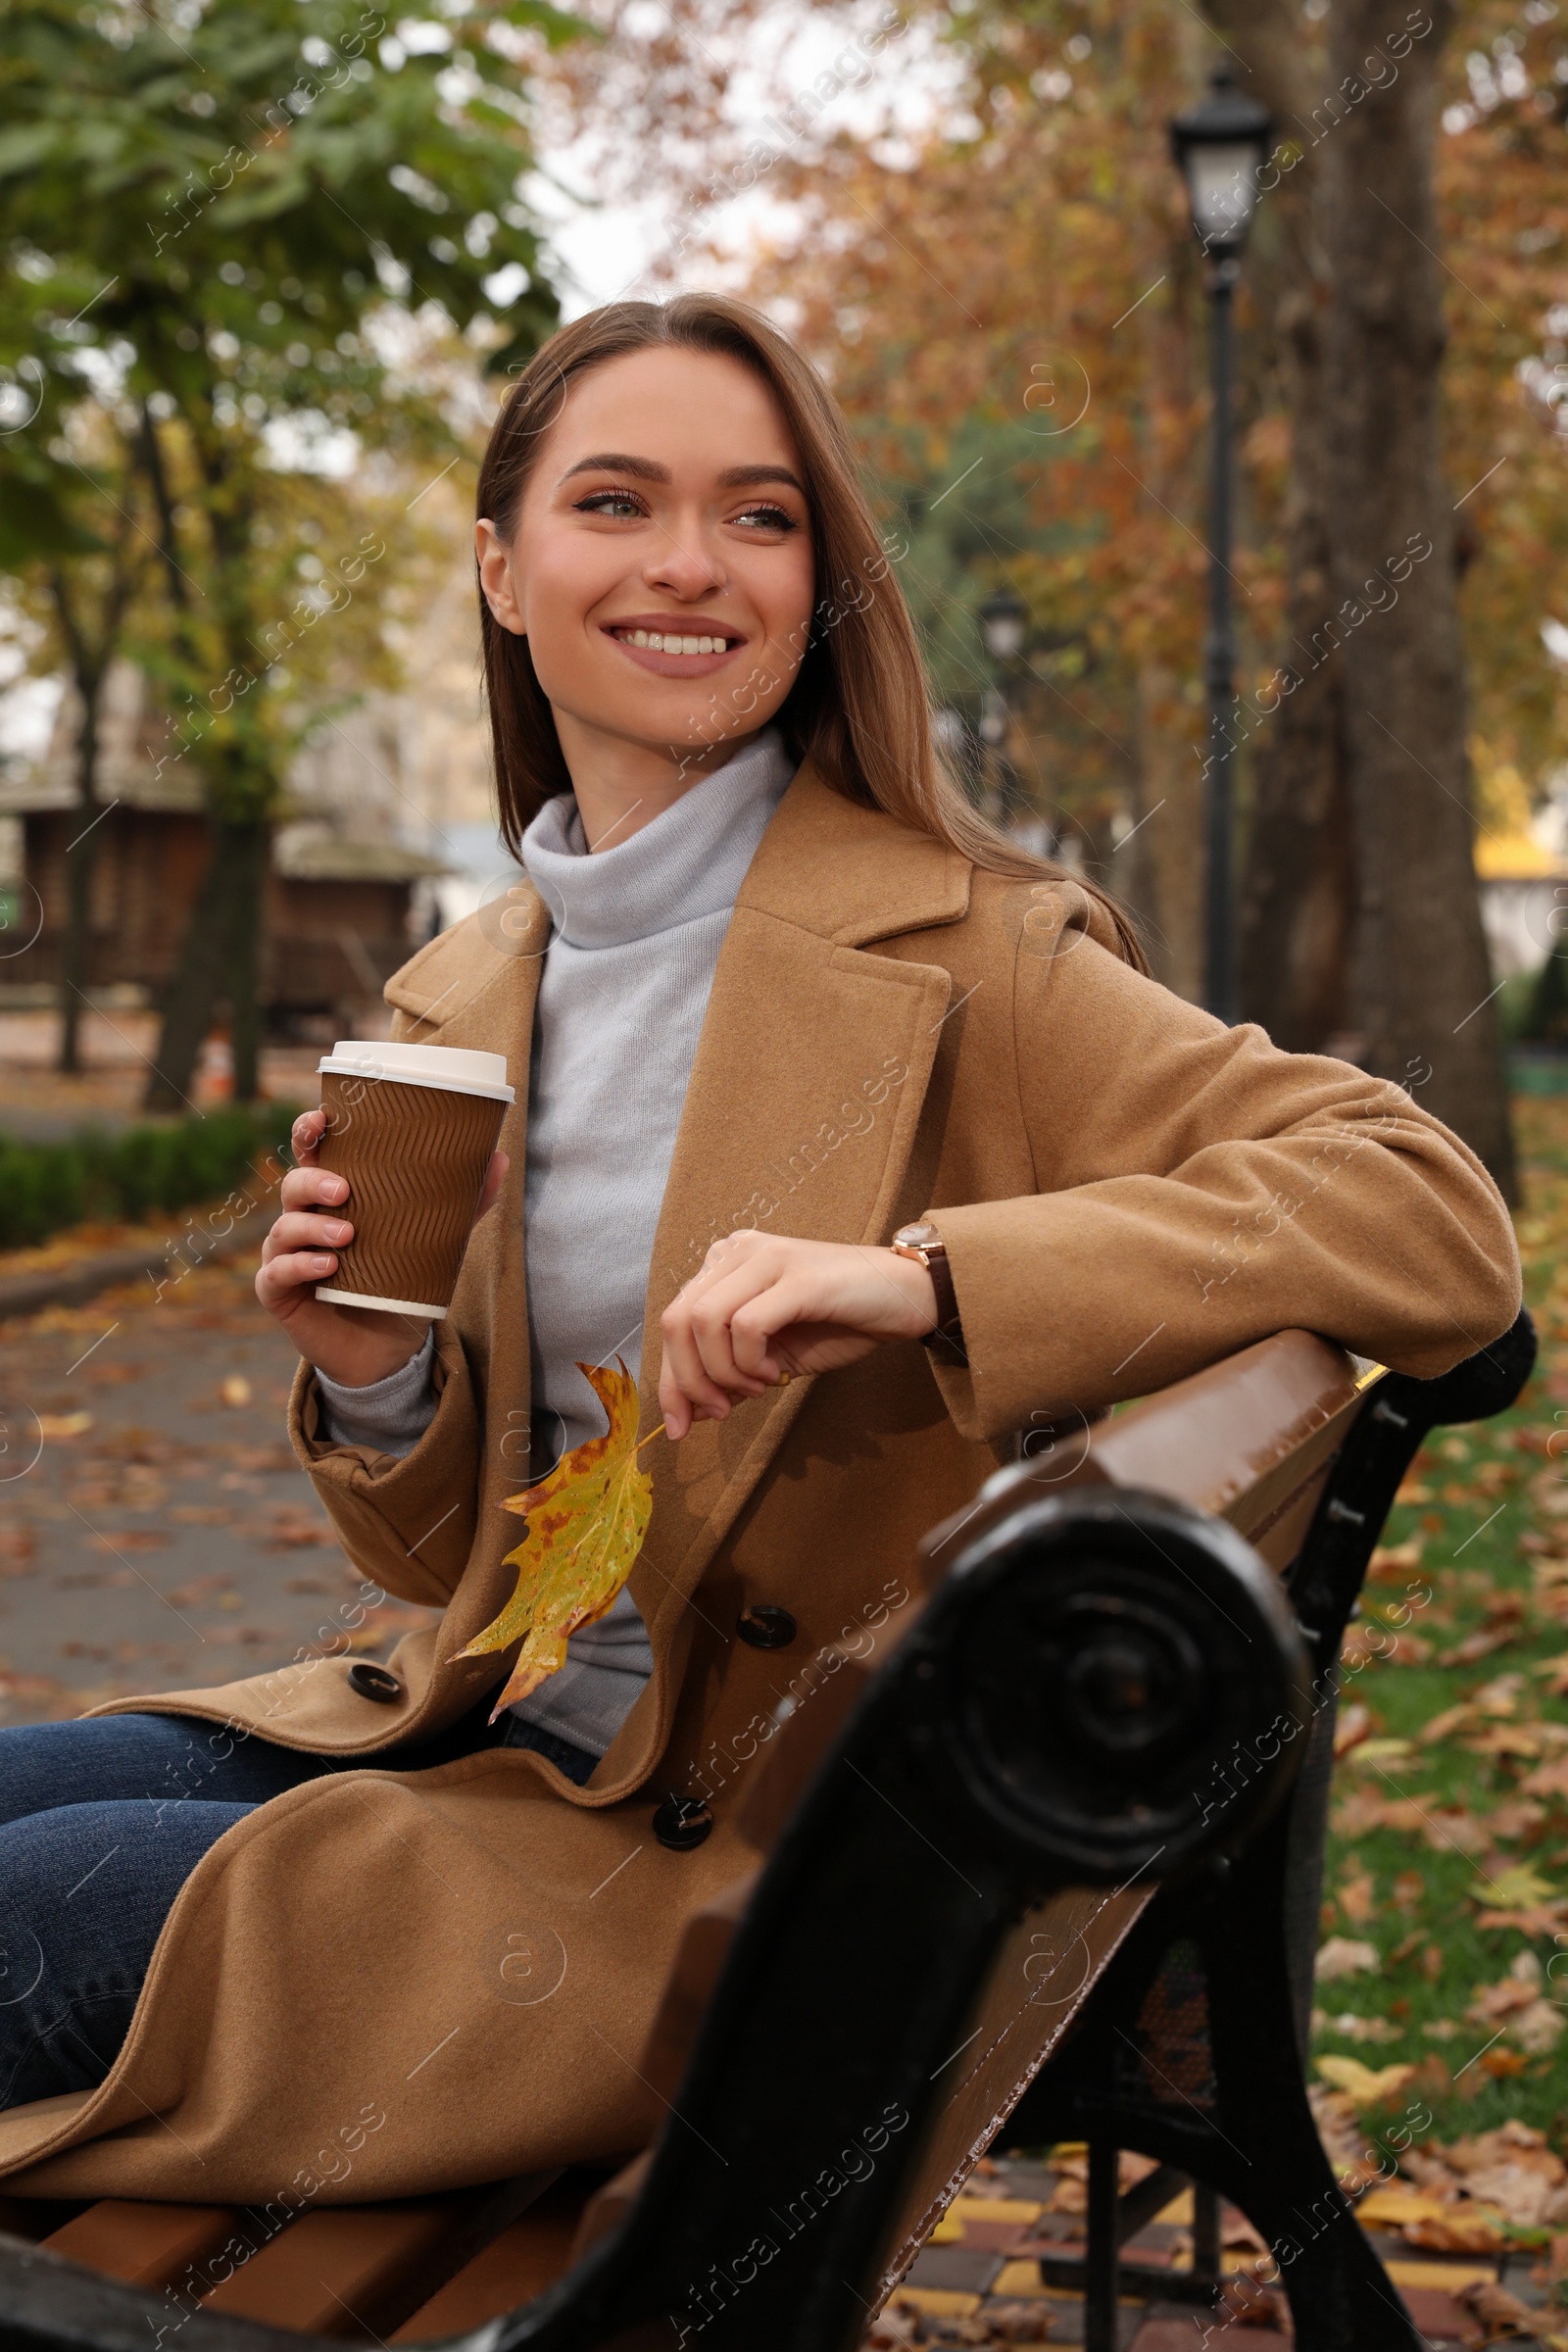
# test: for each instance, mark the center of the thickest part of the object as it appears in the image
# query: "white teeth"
(660, 642)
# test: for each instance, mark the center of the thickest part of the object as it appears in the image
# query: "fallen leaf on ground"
(1441, 1727)
(1407, 1649)
(1450, 1829)
(1343, 1956)
(1351, 2027)
(1391, 1564)
(1362, 1809)
(586, 1524)
(236, 1391)
(1373, 1752)
(1354, 1725)
(1477, 1645)
(1541, 1919)
(1355, 1893)
(1517, 2002)
(1501, 2313)
(63, 1425)
(18, 1546)
(1515, 1820)
(1518, 1884)
(1508, 1740)
(1366, 2086)
(294, 1531)
(1459, 2231)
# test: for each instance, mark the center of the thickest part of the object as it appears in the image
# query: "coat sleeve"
(1198, 1190)
(406, 1524)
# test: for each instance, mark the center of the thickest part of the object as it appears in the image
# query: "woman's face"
(661, 567)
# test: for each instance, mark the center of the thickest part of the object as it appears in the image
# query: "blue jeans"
(102, 1821)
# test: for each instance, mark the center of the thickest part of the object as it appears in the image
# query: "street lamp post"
(1003, 626)
(1220, 147)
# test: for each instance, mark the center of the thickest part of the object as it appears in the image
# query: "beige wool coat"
(384, 1982)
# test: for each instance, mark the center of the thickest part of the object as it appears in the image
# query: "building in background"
(347, 899)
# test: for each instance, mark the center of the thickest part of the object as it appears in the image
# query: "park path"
(156, 1532)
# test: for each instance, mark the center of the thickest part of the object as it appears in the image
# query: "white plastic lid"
(452, 1069)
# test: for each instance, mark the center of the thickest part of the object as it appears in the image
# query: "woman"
(781, 995)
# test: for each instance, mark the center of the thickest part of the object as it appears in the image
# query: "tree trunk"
(80, 853)
(1295, 922)
(244, 974)
(1424, 983)
(1165, 882)
(1298, 897)
(220, 952)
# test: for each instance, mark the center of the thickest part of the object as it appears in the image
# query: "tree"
(239, 201)
(1035, 221)
(1428, 1016)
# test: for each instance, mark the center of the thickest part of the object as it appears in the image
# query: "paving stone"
(1437, 2314)
(968, 2269)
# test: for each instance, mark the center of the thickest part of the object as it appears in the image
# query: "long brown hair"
(860, 709)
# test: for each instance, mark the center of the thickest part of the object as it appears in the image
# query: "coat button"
(682, 1822)
(374, 1682)
(765, 1628)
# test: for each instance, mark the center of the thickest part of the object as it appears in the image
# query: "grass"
(1472, 1873)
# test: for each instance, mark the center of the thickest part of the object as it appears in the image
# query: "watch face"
(917, 1237)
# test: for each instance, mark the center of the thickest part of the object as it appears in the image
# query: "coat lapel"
(803, 1100)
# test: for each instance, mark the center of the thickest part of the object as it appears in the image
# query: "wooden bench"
(1046, 1860)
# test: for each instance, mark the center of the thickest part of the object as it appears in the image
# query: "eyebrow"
(648, 470)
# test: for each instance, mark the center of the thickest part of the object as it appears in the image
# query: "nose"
(685, 565)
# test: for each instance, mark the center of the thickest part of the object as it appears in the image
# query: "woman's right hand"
(355, 1345)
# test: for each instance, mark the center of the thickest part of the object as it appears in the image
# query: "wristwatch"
(945, 1336)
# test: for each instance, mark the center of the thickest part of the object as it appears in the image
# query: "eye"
(618, 505)
(767, 517)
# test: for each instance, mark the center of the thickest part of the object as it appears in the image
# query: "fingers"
(284, 1281)
(306, 1135)
(301, 1248)
(717, 1332)
(495, 1177)
(301, 1230)
(303, 1187)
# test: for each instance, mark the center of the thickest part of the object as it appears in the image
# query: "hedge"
(44, 1187)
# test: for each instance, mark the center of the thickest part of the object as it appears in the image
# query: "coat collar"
(846, 873)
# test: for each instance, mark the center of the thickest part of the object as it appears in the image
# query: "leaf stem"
(648, 1441)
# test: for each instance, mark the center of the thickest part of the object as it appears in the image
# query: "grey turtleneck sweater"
(636, 931)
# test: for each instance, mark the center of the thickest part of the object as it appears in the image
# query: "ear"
(495, 578)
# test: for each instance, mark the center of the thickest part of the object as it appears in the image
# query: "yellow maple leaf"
(1518, 1884)
(1367, 2085)
(586, 1524)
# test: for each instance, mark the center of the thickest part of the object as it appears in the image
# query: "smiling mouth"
(668, 641)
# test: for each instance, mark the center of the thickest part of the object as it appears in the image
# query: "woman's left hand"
(764, 1305)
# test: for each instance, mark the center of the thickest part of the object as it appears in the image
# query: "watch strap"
(946, 1338)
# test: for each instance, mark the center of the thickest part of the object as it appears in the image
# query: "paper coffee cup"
(413, 1128)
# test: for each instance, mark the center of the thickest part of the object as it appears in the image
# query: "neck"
(620, 785)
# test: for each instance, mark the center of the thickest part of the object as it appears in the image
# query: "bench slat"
(519, 2264)
(357, 2272)
(144, 2245)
